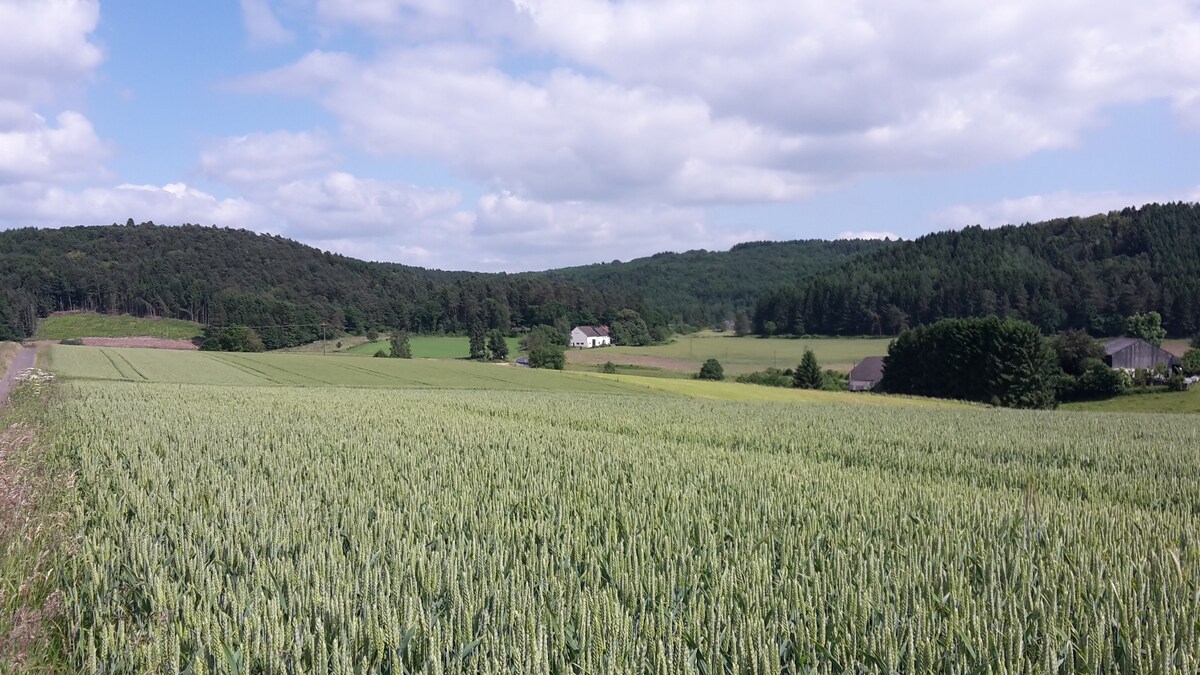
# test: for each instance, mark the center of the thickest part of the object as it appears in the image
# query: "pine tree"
(478, 345)
(808, 373)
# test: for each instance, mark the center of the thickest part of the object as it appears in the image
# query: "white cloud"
(33, 150)
(44, 46)
(521, 234)
(1038, 208)
(692, 102)
(563, 137)
(868, 234)
(259, 158)
(44, 52)
(36, 205)
(262, 27)
(420, 19)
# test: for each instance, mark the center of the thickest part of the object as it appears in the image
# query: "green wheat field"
(292, 514)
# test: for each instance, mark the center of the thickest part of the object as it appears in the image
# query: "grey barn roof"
(869, 369)
(593, 331)
(1113, 346)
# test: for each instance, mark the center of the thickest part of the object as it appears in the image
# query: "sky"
(512, 135)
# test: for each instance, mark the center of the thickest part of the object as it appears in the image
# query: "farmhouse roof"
(593, 331)
(869, 369)
(1113, 346)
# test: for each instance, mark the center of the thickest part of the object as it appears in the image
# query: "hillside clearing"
(71, 325)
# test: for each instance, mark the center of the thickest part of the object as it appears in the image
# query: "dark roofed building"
(1134, 353)
(867, 374)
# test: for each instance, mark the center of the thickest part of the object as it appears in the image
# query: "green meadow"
(431, 347)
(686, 353)
(88, 324)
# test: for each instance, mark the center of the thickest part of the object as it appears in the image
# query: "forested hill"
(703, 287)
(1085, 273)
(223, 276)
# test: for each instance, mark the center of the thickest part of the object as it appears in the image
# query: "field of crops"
(307, 370)
(236, 529)
(737, 355)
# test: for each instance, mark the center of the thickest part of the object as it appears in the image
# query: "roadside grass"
(686, 353)
(89, 324)
(35, 491)
(1179, 402)
(432, 347)
(8, 351)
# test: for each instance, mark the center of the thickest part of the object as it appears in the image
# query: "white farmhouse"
(586, 337)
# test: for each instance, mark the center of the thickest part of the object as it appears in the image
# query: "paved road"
(23, 360)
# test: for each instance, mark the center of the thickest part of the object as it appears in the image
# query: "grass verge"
(34, 539)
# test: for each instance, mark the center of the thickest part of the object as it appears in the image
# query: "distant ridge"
(1087, 273)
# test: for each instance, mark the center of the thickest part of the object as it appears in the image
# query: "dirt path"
(24, 359)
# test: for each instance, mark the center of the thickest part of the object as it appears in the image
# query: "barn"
(1134, 353)
(867, 374)
(586, 337)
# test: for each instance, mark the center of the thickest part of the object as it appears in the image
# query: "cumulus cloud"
(44, 45)
(33, 150)
(688, 102)
(564, 137)
(45, 50)
(52, 206)
(258, 158)
(262, 27)
(1038, 208)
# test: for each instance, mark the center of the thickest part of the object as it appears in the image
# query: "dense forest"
(702, 288)
(223, 277)
(1072, 273)
(1084, 273)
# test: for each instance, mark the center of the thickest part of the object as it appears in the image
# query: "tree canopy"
(999, 361)
(1072, 273)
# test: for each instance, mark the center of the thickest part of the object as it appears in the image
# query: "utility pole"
(323, 325)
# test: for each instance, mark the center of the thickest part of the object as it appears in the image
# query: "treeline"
(1072, 273)
(703, 288)
(284, 289)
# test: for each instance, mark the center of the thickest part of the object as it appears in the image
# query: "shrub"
(1100, 381)
(771, 377)
(711, 370)
(1195, 342)
(1177, 383)
(380, 354)
(548, 356)
(1191, 362)
(234, 339)
(372, 335)
(609, 368)
(71, 341)
(831, 380)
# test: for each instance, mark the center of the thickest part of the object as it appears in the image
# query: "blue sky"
(528, 134)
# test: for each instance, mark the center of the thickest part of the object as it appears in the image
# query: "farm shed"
(586, 337)
(867, 374)
(1133, 353)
